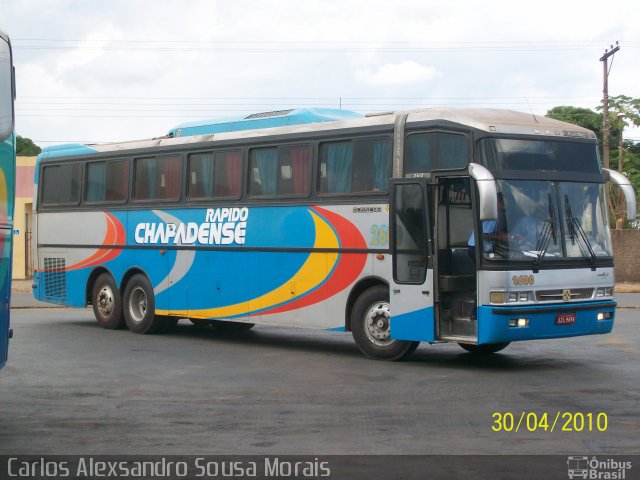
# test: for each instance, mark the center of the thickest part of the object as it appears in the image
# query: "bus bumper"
(497, 324)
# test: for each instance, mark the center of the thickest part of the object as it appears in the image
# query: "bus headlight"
(519, 322)
(496, 297)
(605, 316)
(604, 292)
(518, 297)
(509, 297)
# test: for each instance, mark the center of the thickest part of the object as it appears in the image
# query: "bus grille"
(55, 278)
(558, 295)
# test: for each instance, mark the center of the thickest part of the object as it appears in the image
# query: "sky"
(95, 71)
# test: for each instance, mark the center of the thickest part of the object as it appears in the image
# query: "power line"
(260, 46)
(292, 98)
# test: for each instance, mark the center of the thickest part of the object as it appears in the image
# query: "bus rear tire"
(139, 306)
(371, 329)
(484, 349)
(107, 303)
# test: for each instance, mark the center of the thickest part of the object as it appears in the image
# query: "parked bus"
(474, 226)
(7, 182)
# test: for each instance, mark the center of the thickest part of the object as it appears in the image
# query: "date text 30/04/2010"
(549, 422)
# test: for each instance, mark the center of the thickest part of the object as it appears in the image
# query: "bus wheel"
(139, 306)
(107, 303)
(484, 349)
(370, 327)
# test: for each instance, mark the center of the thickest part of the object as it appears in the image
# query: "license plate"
(566, 319)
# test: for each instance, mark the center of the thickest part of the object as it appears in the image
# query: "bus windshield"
(548, 220)
(525, 155)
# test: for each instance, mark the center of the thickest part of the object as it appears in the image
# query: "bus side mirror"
(627, 190)
(487, 193)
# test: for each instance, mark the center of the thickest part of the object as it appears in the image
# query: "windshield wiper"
(577, 233)
(583, 236)
(548, 231)
(552, 217)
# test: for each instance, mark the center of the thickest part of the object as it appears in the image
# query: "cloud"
(404, 73)
(96, 72)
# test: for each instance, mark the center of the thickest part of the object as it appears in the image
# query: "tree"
(26, 148)
(623, 111)
(579, 116)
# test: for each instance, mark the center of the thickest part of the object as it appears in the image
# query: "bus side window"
(295, 170)
(356, 166)
(264, 171)
(216, 174)
(157, 178)
(228, 174)
(107, 181)
(372, 165)
(336, 167)
(426, 151)
(61, 184)
(284, 170)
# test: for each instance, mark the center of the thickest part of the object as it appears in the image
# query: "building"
(22, 264)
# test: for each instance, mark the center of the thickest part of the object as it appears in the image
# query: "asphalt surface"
(71, 387)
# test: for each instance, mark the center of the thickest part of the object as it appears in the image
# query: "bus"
(474, 226)
(7, 185)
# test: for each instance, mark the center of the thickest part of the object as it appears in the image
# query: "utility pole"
(605, 103)
(621, 117)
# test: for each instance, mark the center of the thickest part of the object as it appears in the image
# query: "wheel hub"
(377, 324)
(105, 301)
(138, 304)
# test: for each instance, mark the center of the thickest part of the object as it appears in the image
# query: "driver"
(528, 228)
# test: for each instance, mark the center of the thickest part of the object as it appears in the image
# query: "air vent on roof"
(278, 113)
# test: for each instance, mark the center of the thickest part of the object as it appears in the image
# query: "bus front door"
(411, 289)
(454, 263)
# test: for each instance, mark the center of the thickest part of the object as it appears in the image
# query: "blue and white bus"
(7, 184)
(474, 226)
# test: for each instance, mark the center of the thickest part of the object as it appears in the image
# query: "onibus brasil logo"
(221, 226)
(594, 468)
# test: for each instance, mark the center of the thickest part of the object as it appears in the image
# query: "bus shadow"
(274, 337)
(513, 358)
(438, 356)
(442, 356)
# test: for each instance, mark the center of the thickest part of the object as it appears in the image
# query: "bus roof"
(300, 121)
(278, 118)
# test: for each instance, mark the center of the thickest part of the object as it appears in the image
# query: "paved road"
(72, 388)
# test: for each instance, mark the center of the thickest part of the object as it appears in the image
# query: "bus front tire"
(107, 303)
(484, 349)
(370, 327)
(139, 306)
